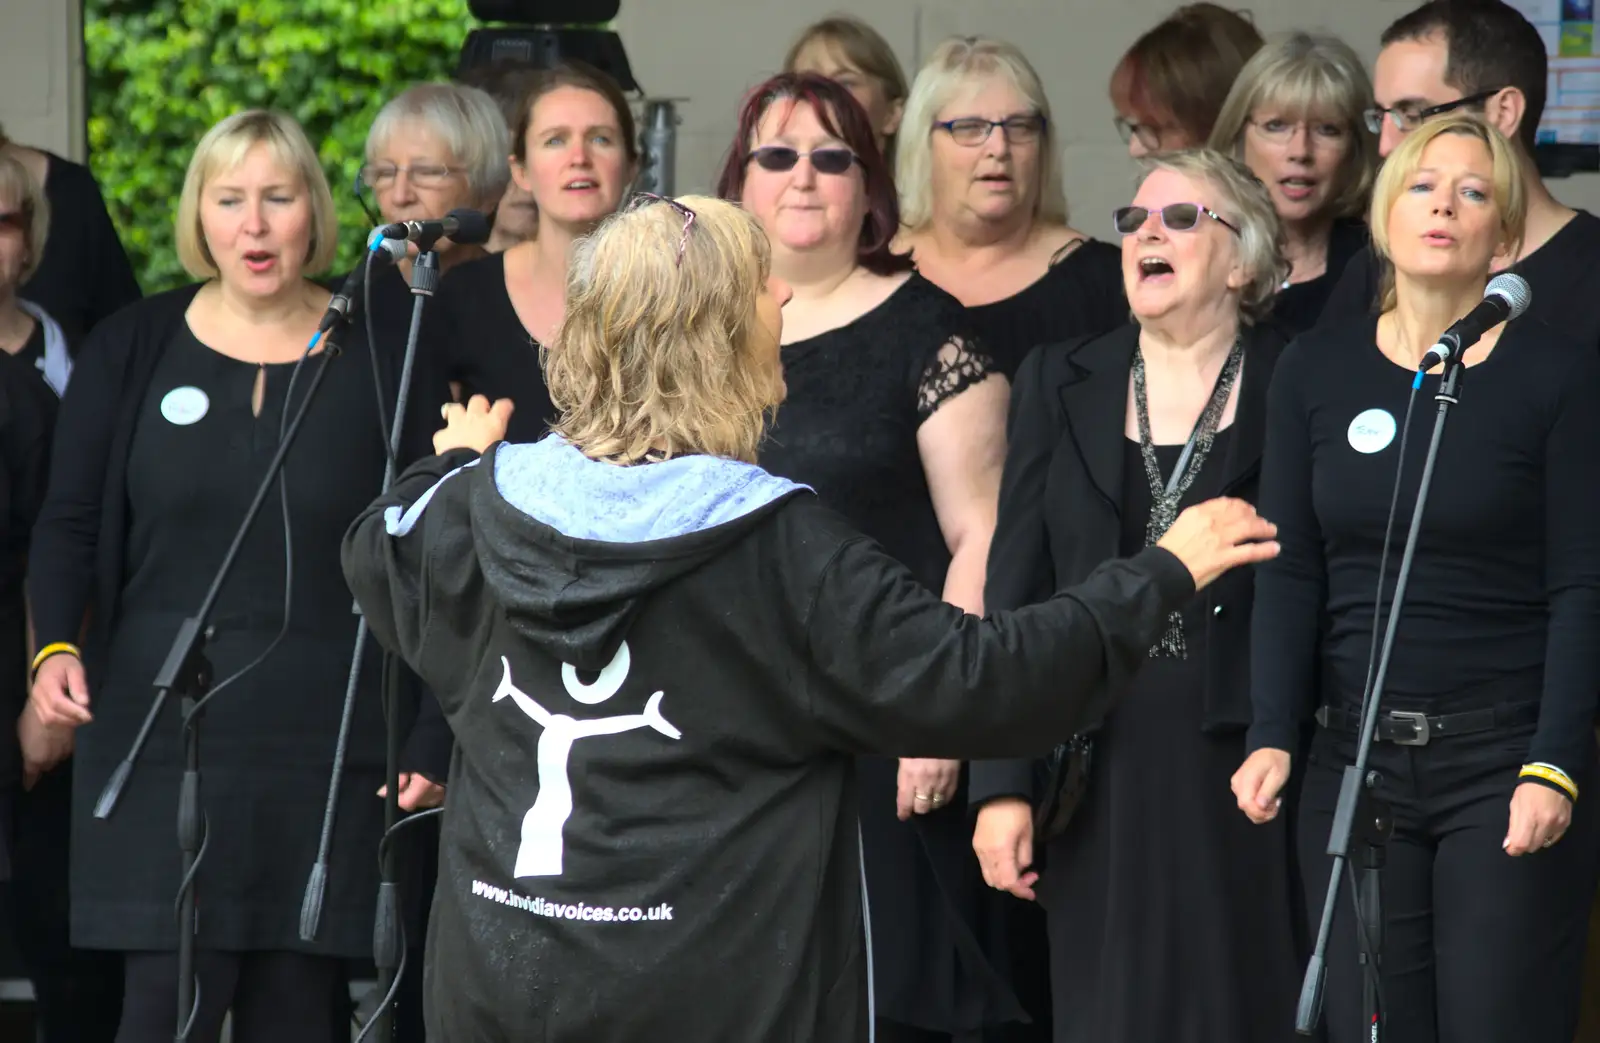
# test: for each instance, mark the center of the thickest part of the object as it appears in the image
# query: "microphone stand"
(386, 947)
(187, 672)
(386, 942)
(1359, 813)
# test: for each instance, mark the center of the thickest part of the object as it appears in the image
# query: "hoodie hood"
(571, 547)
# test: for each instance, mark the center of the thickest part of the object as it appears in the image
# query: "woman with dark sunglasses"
(1167, 919)
(896, 417)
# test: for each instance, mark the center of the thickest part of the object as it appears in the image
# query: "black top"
(692, 873)
(197, 457)
(1505, 585)
(1299, 306)
(1080, 295)
(1564, 275)
(857, 396)
(1065, 507)
(79, 556)
(478, 341)
(84, 274)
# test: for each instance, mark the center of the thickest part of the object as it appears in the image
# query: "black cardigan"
(1061, 502)
(73, 572)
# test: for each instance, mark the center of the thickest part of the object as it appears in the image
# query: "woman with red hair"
(1170, 85)
(896, 417)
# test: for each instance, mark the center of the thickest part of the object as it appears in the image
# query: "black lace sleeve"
(960, 363)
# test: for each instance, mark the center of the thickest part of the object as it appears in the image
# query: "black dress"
(477, 340)
(848, 429)
(1081, 294)
(1166, 905)
(267, 741)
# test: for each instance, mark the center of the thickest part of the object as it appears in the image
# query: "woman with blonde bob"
(983, 214)
(659, 662)
(1294, 116)
(175, 408)
(1485, 746)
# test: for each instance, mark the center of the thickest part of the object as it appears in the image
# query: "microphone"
(464, 226)
(386, 248)
(1506, 297)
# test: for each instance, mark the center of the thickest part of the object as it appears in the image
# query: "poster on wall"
(1572, 106)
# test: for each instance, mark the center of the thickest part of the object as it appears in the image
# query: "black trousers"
(77, 992)
(275, 997)
(1477, 946)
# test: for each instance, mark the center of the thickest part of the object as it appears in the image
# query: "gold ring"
(922, 797)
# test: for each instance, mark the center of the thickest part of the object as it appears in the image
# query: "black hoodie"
(681, 863)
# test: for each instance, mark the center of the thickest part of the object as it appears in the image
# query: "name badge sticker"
(184, 406)
(1371, 431)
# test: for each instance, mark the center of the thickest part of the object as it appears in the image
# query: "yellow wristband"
(51, 650)
(1551, 774)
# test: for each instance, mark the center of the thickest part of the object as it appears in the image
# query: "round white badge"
(185, 405)
(1371, 431)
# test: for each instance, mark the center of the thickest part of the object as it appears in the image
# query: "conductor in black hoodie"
(659, 662)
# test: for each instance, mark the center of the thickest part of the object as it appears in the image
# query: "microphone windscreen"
(472, 227)
(1513, 289)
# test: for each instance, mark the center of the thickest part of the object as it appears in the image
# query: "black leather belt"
(1407, 728)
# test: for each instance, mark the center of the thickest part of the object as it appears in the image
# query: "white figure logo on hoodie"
(541, 849)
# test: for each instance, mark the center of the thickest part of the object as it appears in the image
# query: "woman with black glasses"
(983, 212)
(896, 417)
(1168, 918)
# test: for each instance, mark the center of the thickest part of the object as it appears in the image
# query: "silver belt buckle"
(1418, 720)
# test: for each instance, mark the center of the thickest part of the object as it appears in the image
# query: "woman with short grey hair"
(433, 148)
(1294, 116)
(1166, 919)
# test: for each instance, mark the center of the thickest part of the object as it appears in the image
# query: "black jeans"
(275, 997)
(1477, 946)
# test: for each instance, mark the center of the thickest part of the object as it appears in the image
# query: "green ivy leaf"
(161, 72)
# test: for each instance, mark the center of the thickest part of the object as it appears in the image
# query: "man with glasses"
(1484, 57)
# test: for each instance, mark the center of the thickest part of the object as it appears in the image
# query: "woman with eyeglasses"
(1294, 116)
(1484, 748)
(432, 148)
(896, 417)
(576, 152)
(982, 210)
(1167, 919)
(1169, 87)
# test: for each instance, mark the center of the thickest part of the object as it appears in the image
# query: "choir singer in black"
(682, 862)
(1485, 743)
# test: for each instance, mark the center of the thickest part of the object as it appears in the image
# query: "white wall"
(710, 51)
(41, 81)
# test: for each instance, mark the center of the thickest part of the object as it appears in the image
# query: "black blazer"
(1061, 502)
